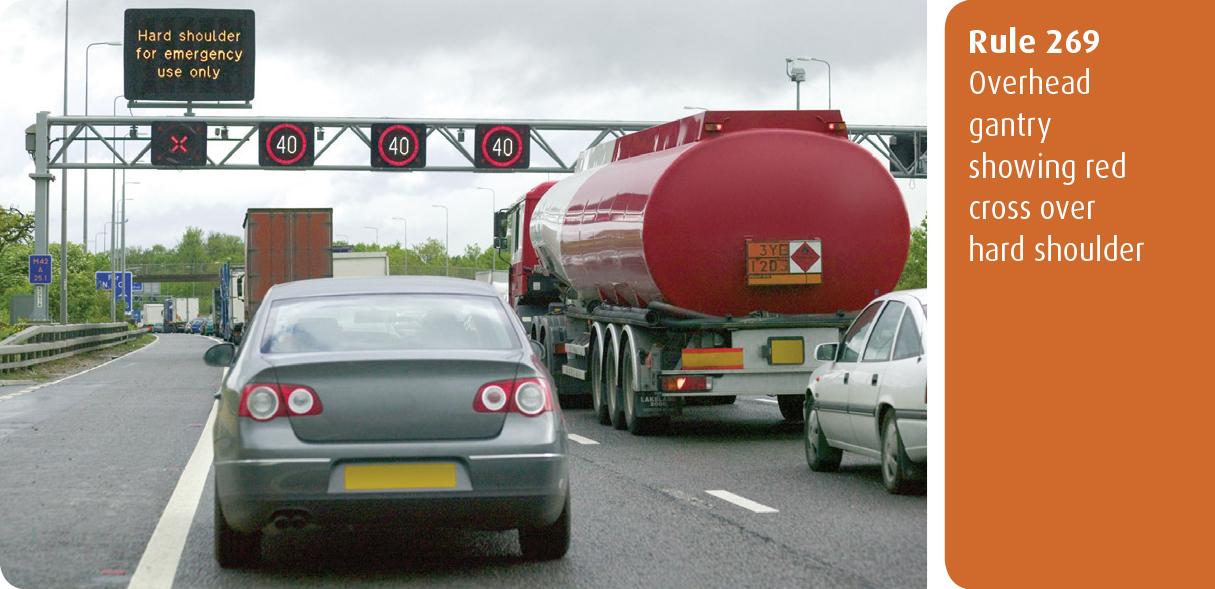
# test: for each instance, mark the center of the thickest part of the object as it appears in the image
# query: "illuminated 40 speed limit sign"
(285, 145)
(502, 146)
(398, 146)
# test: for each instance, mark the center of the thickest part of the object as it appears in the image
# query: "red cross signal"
(179, 144)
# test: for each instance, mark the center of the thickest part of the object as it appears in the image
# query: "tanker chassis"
(703, 258)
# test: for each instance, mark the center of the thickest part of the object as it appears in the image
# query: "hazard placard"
(779, 263)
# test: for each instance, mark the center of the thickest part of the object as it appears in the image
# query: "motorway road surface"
(88, 465)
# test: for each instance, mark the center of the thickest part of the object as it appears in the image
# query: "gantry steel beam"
(556, 143)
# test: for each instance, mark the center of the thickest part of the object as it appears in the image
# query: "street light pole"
(828, 64)
(493, 207)
(377, 233)
(63, 267)
(85, 209)
(114, 208)
(406, 224)
(446, 237)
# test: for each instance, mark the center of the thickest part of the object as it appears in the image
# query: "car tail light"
(264, 401)
(686, 383)
(528, 396)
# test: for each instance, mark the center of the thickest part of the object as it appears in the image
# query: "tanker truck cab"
(704, 258)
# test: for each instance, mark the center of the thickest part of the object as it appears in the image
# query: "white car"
(870, 395)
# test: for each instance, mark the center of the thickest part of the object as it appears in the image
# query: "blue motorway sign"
(40, 269)
(136, 287)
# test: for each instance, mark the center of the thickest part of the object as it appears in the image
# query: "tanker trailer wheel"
(638, 426)
(615, 407)
(598, 388)
(792, 407)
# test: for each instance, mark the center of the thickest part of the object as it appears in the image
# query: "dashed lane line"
(761, 400)
(742, 502)
(582, 440)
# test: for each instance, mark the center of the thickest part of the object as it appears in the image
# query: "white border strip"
(582, 440)
(87, 370)
(158, 565)
(742, 502)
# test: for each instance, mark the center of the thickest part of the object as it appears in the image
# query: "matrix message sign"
(398, 145)
(285, 145)
(188, 54)
(501, 146)
(179, 144)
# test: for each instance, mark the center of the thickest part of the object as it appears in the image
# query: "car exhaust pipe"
(282, 522)
(298, 521)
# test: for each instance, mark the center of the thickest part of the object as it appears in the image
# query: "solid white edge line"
(158, 566)
(742, 502)
(582, 440)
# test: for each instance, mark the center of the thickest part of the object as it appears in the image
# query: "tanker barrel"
(681, 312)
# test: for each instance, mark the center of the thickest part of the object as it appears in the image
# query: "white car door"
(831, 390)
(905, 384)
(869, 374)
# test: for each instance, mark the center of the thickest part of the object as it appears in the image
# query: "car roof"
(380, 285)
(919, 294)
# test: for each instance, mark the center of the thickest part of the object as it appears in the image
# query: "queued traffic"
(726, 254)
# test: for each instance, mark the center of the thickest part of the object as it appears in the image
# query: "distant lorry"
(230, 309)
(178, 312)
(350, 264)
(283, 245)
(703, 258)
(154, 315)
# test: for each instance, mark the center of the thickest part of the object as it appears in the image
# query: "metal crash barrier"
(44, 343)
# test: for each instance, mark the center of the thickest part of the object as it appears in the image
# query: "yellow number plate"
(391, 477)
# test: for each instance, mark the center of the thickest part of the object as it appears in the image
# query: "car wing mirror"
(825, 352)
(220, 355)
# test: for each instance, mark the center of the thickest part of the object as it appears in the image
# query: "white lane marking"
(742, 502)
(47, 384)
(158, 565)
(582, 440)
(762, 400)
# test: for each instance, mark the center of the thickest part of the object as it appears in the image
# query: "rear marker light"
(712, 127)
(493, 398)
(300, 402)
(838, 129)
(686, 383)
(263, 402)
(527, 396)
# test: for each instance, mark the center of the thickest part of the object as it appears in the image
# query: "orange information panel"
(779, 263)
(1075, 218)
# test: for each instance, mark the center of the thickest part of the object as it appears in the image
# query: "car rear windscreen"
(387, 322)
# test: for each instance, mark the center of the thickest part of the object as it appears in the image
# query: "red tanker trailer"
(703, 257)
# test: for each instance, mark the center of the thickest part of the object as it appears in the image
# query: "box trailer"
(284, 245)
(351, 264)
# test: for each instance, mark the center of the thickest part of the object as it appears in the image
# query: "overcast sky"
(566, 59)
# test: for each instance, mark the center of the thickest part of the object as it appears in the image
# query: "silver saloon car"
(402, 401)
(870, 395)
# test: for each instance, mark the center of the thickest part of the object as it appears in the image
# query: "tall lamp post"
(493, 206)
(377, 233)
(114, 207)
(446, 237)
(85, 209)
(797, 75)
(63, 267)
(406, 224)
